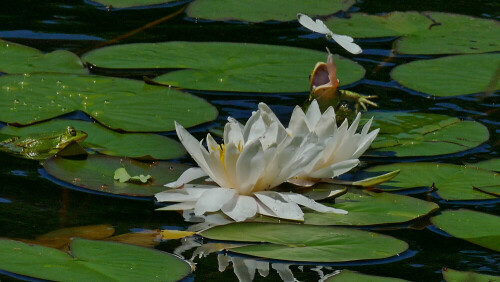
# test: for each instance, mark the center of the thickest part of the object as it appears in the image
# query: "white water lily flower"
(343, 146)
(253, 159)
(318, 26)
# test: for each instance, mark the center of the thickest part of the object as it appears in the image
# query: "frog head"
(70, 135)
(324, 83)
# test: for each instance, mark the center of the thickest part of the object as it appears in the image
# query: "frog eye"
(72, 131)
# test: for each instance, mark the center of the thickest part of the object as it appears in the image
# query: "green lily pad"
(453, 182)
(130, 3)
(263, 10)
(425, 32)
(418, 134)
(476, 227)
(97, 173)
(307, 242)
(17, 58)
(368, 208)
(117, 103)
(91, 261)
(104, 141)
(363, 25)
(222, 66)
(492, 164)
(449, 76)
(451, 275)
(353, 276)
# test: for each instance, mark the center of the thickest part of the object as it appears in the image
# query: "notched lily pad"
(453, 182)
(97, 173)
(104, 141)
(91, 261)
(263, 10)
(223, 66)
(368, 208)
(450, 76)
(130, 3)
(310, 243)
(476, 227)
(418, 134)
(117, 103)
(353, 276)
(17, 58)
(451, 275)
(425, 32)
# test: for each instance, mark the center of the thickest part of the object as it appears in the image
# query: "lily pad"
(117, 103)
(425, 32)
(368, 208)
(449, 76)
(451, 275)
(476, 227)
(453, 182)
(17, 58)
(130, 3)
(307, 242)
(418, 134)
(104, 141)
(91, 261)
(97, 173)
(353, 276)
(492, 164)
(263, 10)
(223, 66)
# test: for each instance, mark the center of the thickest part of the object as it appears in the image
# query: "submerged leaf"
(451, 275)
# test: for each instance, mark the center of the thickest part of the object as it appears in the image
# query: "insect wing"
(347, 43)
(316, 26)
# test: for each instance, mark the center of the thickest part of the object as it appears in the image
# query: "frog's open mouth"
(320, 76)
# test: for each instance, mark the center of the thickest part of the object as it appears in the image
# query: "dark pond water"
(31, 204)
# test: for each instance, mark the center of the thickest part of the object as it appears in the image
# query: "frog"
(42, 146)
(324, 88)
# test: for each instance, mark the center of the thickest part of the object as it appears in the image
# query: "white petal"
(240, 208)
(327, 124)
(298, 123)
(335, 169)
(179, 206)
(193, 147)
(365, 144)
(233, 133)
(249, 167)
(187, 176)
(280, 205)
(213, 200)
(180, 195)
(230, 159)
(212, 144)
(306, 202)
(313, 114)
(347, 43)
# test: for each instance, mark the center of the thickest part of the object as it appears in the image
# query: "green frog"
(324, 84)
(42, 146)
